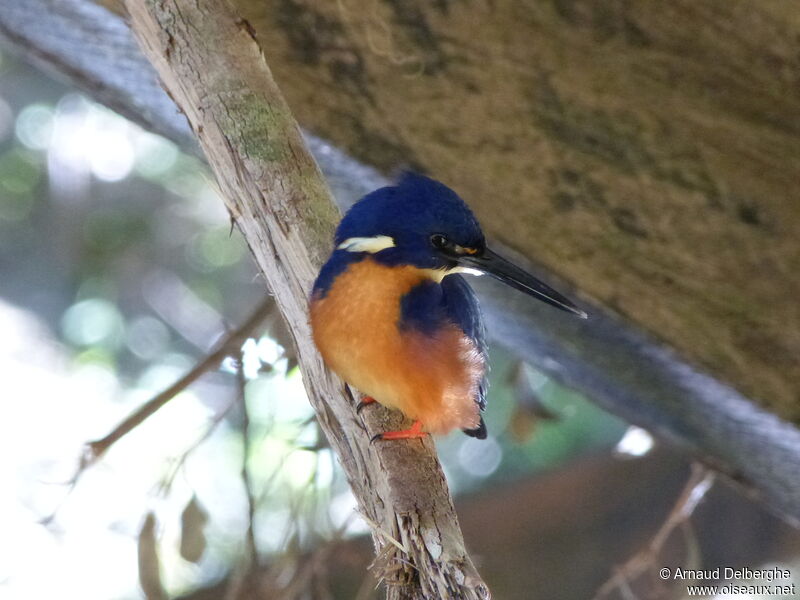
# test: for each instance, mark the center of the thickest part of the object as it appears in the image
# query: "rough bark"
(214, 69)
(607, 358)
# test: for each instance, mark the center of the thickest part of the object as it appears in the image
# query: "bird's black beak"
(498, 267)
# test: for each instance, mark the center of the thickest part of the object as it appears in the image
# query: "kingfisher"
(393, 316)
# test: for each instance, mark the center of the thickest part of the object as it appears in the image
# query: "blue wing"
(461, 306)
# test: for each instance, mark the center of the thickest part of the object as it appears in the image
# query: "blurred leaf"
(214, 249)
(94, 321)
(529, 408)
(193, 539)
(108, 232)
(521, 426)
(98, 356)
(19, 177)
(527, 396)
(34, 126)
(149, 567)
(155, 156)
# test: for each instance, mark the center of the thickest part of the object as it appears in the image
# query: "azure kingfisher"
(392, 315)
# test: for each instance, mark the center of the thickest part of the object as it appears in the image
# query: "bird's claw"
(366, 401)
(413, 432)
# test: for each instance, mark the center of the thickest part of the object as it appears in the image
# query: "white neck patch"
(367, 244)
(438, 274)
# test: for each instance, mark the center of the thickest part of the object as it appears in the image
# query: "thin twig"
(700, 481)
(241, 383)
(228, 345)
(166, 483)
(232, 342)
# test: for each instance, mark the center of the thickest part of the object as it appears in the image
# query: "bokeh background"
(119, 271)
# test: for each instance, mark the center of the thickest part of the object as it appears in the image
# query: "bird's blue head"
(418, 222)
(424, 224)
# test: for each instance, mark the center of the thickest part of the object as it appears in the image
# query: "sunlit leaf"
(93, 321)
(34, 126)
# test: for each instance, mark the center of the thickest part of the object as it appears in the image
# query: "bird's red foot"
(415, 431)
(366, 400)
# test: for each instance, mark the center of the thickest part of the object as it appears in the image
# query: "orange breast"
(432, 378)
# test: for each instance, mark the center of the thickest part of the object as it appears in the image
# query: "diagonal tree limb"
(212, 65)
(646, 561)
(228, 346)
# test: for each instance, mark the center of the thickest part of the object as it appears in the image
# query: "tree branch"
(645, 562)
(213, 67)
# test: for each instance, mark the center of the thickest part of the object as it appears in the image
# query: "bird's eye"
(439, 241)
